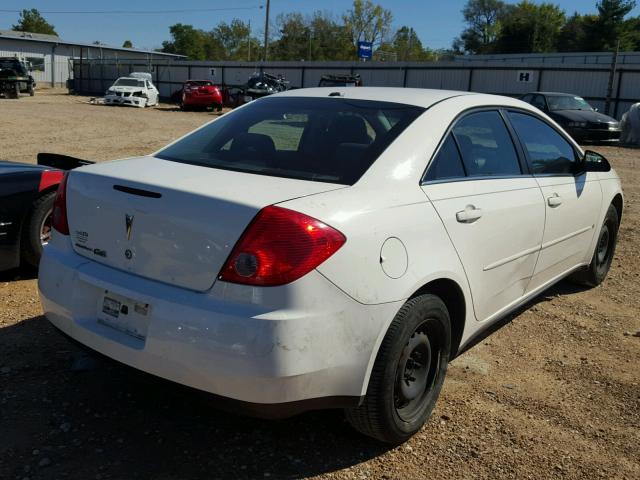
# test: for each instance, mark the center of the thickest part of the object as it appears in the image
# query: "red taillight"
(50, 178)
(59, 215)
(280, 246)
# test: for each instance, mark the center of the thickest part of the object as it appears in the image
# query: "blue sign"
(365, 50)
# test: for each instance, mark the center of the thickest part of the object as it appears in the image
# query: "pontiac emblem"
(128, 219)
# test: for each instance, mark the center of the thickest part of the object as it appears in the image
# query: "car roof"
(559, 94)
(421, 97)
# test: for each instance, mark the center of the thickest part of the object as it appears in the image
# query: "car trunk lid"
(168, 221)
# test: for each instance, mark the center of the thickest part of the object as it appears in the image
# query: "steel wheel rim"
(416, 373)
(45, 228)
(602, 251)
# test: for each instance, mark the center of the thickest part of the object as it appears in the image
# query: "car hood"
(582, 116)
(126, 89)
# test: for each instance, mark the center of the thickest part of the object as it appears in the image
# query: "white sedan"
(329, 247)
(136, 90)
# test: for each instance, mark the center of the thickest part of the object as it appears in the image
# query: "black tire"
(31, 91)
(32, 240)
(597, 270)
(408, 373)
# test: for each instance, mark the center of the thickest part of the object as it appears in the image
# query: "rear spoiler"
(62, 162)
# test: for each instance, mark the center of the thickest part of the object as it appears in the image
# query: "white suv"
(327, 247)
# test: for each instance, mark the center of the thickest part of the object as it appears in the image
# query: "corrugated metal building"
(573, 58)
(52, 58)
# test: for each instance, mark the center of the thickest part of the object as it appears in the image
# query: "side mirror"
(594, 162)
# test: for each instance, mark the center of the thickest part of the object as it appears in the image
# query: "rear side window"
(447, 164)
(321, 139)
(485, 145)
(548, 151)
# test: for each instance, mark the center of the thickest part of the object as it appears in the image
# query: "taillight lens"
(280, 246)
(59, 215)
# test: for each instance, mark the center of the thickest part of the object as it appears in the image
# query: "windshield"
(566, 102)
(13, 65)
(129, 82)
(320, 139)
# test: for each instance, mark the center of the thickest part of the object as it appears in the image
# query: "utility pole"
(612, 74)
(266, 32)
(249, 43)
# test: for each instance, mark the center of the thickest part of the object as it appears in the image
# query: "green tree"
(32, 21)
(631, 35)
(610, 26)
(367, 22)
(576, 34)
(295, 41)
(483, 26)
(234, 39)
(408, 46)
(189, 41)
(315, 37)
(530, 28)
(127, 44)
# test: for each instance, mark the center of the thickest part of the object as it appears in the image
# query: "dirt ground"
(553, 394)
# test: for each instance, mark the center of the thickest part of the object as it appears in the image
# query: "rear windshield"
(320, 139)
(199, 83)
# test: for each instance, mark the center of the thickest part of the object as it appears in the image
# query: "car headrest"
(349, 129)
(253, 146)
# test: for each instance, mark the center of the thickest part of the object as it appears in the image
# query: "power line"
(135, 12)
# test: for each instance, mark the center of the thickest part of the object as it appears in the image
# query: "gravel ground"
(553, 394)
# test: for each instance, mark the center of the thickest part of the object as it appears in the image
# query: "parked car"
(262, 84)
(312, 250)
(26, 204)
(583, 122)
(201, 94)
(347, 80)
(15, 78)
(134, 90)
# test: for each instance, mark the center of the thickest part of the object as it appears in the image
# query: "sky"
(437, 22)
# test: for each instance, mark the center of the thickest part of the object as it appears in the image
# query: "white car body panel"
(498, 266)
(188, 232)
(319, 335)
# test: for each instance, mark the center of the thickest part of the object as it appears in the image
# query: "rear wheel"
(37, 229)
(408, 372)
(597, 270)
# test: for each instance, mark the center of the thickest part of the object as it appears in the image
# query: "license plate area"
(124, 314)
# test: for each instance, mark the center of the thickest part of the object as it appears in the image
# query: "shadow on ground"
(88, 417)
(22, 273)
(94, 418)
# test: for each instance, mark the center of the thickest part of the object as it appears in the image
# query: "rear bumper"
(202, 101)
(304, 346)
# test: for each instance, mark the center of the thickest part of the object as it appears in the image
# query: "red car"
(201, 94)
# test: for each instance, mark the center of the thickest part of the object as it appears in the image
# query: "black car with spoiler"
(26, 202)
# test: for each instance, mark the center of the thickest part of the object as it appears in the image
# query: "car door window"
(548, 151)
(486, 146)
(447, 164)
(527, 98)
(538, 101)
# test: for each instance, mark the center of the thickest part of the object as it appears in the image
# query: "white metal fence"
(589, 81)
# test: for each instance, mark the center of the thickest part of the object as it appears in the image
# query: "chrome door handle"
(555, 200)
(469, 214)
